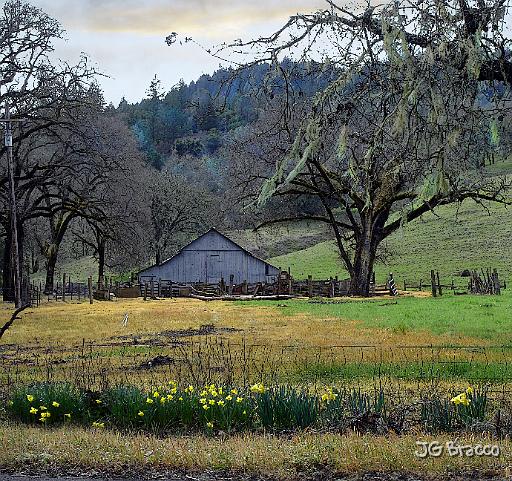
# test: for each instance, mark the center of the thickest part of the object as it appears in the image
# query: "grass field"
(299, 341)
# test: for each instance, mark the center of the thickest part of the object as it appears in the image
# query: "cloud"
(208, 19)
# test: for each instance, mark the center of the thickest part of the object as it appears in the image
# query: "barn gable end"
(209, 258)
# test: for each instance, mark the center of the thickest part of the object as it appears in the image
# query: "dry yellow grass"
(69, 323)
(77, 450)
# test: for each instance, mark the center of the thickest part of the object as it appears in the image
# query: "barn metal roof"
(212, 229)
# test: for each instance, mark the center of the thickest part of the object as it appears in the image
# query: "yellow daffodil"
(98, 401)
(469, 390)
(229, 398)
(220, 403)
(30, 398)
(170, 397)
(43, 408)
(202, 400)
(204, 393)
(258, 388)
(212, 402)
(33, 410)
(10, 403)
(98, 425)
(163, 400)
(55, 404)
(461, 399)
(180, 399)
(190, 389)
(239, 399)
(156, 394)
(206, 407)
(234, 391)
(67, 415)
(149, 400)
(209, 425)
(140, 414)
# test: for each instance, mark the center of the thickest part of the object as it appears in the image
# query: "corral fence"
(285, 285)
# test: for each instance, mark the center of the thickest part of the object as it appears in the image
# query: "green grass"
(484, 317)
(449, 242)
(466, 371)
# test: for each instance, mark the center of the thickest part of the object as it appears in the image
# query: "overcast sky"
(126, 38)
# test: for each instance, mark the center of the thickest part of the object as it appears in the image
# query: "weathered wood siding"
(210, 258)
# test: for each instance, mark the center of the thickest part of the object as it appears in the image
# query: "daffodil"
(234, 391)
(156, 394)
(43, 408)
(163, 400)
(206, 407)
(212, 402)
(30, 398)
(229, 398)
(461, 399)
(239, 399)
(180, 399)
(209, 425)
(140, 414)
(97, 424)
(10, 403)
(33, 410)
(469, 390)
(55, 404)
(67, 415)
(258, 388)
(98, 401)
(170, 397)
(149, 400)
(221, 403)
(202, 400)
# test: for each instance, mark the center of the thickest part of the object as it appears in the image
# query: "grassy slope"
(449, 241)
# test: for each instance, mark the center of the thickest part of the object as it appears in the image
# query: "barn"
(210, 258)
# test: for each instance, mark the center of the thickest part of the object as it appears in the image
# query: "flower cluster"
(462, 398)
(258, 388)
(329, 395)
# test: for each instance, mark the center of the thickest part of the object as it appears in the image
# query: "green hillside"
(450, 241)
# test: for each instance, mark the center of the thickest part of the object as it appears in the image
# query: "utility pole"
(15, 253)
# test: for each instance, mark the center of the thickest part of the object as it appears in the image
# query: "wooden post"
(244, 288)
(89, 285)
(331, 287)
(310, 286)
(231, 281)
(433, 283)
(70, 288)
(439, 287)
(79, 289)
(63, 287)
(152, 285)
(420, 287)
(159, 287)
(145, 291)
(290, 286)
(405, 285)
(453, 285)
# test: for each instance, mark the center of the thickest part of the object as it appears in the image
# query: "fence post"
(145, 291)
(63, 287)
(70, 287)
(331, 287)
(439, 287)
(231, 281)
(420, 287)
(310, 286)
(89, 285)
(159, 287)
(433, 282)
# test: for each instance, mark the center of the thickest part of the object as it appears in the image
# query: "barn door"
(214, 267)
